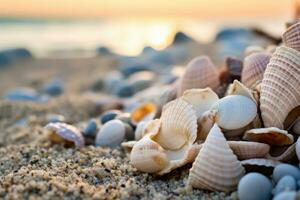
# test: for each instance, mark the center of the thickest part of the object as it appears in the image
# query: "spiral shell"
(254, 68)
(216, 167)
(246, 150)
(272, 136)
(200, 73)
(178, 125)
(201, 99)
(280, 87)
(291, 37)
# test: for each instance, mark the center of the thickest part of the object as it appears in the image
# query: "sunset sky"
(146, 8)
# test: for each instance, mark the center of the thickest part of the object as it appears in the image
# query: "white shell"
(178, 125)
(139, 131)
(201, 99)
(234, 111)
(237, 88)
(216, 167)
(246, 150)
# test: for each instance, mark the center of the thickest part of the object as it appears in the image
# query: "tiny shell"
(201, 99)
(178, 125)
(237, 88)
(246, 150)
(285, 169)
(291, 37)
(254, 186)
(254, 68)
(234, 111)
(138, 134)
(111, 134)
(200, 73)
(272, 136)
(286, 183)
(127, 146)
(216, 167)
(144, 112)
(61, 132)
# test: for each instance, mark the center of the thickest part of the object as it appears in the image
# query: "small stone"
(129, 134)
(125, 90)
(91, 128)
(22, 94)
(53, 118)
(285, 169)
(290, 195)
(53, 88)
(286, 183)
(109, 115)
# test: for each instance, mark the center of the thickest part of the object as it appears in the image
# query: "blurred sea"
(61, 38)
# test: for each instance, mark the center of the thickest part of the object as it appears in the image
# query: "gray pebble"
(53, 118)
(129, 134)
(291, 195)
(109, 115)
(286, 183)
(285, 169)
(91, 128)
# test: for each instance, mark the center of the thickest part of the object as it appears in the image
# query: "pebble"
(125, 90)
(54, 87)
(290, 195)
(22, 94)
(109, 115)
(286, 183)
(282, 170)
(53, 118)
(129, 133)
(181, 37)
(91, 128)
(254, 186)
(111, 134)
(112, 81)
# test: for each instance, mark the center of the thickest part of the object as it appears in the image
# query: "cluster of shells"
(254, 125)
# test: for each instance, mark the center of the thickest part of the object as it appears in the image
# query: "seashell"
(65, 133)
(234, 67)
(234, 111)
(253, 49)
(247, 150)
(111, 134)
(282, 153)
(148, 156)
(205, 123)
(127, 146)
(216, 167)
(296, 127)
(144, 112)
(145, 128)
(298, 149)
(279, 92)
(179, 122)
(261, 165)
(109, 115)
(138, 134)
(289, 195)
(201, 99)
(91, 128)
(129, 132)
(53, 118)
(286, 183)
(291, 37)
(237, 88)
(200, 73)
(272, 136)
(284, 170)
(254, 68)
(254, 182)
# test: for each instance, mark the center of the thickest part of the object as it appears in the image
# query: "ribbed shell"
(178, 125)
(200, 73)
(261, 162)
(280, 87)
(246, 150)
(291, 37)
(216, 167)
(254, 68)
(284, 154)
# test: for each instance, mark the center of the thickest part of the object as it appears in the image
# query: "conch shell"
(254, 68)
(216, 167)
(200, 73)
(291, 37)
(280, 87)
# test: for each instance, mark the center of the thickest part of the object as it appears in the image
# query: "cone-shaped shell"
(148, 156)
(280, 87)
(200, 73)
(216, 167)
(254, 68)
(201, 99)
(246, 150)
(272, 136)
(291, 37)
(234, 111)
(144, 112)
(178, 125)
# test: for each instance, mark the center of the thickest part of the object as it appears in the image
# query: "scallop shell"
(234, 111)
(205, 123)
(144, 112)
(216, 167)
(261, 162)
(280, 87)
(200, 73)
(291, 37)
(246, 150)
(238, 88)
(254, 68)
(139, 131)
(65, 133)
(283, 154)
(127, 146)
(178, 125)
(272, 136)
(201, 99)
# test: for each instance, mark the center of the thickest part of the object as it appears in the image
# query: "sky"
(146, 8)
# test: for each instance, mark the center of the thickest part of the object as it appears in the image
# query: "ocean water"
(61, 38)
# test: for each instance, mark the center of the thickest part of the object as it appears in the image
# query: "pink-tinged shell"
(280, 87)
(246, 150)
(284, 154)
(216, 167)
(200, 73)
(291, 37)
(66, 132)
(254, 68)
(271, 135)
